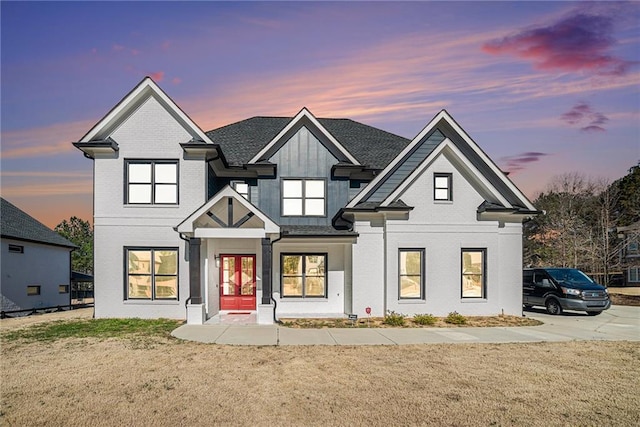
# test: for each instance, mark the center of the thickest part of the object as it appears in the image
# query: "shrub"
(393, 319)
(455, 318)
(424, 319)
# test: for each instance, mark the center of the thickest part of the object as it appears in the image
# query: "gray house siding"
(302, 156)
(407, 165)
(41, 265)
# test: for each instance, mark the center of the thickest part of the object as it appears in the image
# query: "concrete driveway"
(619, 323)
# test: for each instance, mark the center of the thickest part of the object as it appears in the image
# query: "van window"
(527, 277)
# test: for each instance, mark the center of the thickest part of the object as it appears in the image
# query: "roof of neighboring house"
(17, 224)
(373, 147)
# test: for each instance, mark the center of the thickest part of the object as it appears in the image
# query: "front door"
(237, 282)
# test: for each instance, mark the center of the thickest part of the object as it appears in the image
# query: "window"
(152, 182)
(33, 290)
(16, 249)
(411, 268)
(63, 289)
(303, 197)
(303, 275)
(442, 187)
(242, 188)
(634, 274)
(474, 274)
(152, 273)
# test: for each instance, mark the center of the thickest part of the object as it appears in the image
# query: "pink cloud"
(29, 142)
(165, 45)
(176, 80)
(117, 48)
(583, 114)
(518, 162)
(581, 42)
(157, 76)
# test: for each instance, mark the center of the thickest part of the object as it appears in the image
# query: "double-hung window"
(474, 273)
(303, 197)
(152, 182)
(304, 275)
(242, 188)
(152, 273)
(442, 187)
(411, 274)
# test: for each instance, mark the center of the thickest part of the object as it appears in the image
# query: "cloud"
(176, 80)
(157, 76)
(44, 141)
(578, 42)
(513, 164)
(583, 114)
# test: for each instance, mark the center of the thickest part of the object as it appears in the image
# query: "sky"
(544, 88)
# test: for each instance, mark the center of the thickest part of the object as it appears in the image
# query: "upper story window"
(442, 187)
(242, 188)
(303, 197)
(152, 182)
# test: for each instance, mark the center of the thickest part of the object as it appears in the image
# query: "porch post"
(266, 271)
(195, 284)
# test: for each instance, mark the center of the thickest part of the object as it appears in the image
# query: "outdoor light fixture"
(217, 258)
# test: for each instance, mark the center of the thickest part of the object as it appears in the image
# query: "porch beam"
(266, 271)
(244, 219)
(195, 288)
(216, 219)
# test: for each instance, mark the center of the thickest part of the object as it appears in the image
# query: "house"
(630, 253)
(300, 216)
(36, 262)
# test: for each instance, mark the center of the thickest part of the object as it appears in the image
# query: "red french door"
(237, 282)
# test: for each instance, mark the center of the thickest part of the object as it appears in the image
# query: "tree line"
(579, 226)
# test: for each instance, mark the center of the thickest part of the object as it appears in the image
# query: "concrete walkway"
(619, 323)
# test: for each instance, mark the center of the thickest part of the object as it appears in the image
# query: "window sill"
(443, 202)
(150, 205)
(474, 300)
(150, 302)
(300, 299)
(412, 301)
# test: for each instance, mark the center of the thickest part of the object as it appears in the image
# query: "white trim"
(230, 233)
(147, 88)
(302, 114)
(446, 144)
(395, 161)
(186, 226)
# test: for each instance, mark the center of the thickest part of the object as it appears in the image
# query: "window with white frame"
(474, 273)
(411, 274)
(303, 275)
(242, 188)
(152, 182)
(152, 273)
(442, 187)
(303, 197)
(634, 274)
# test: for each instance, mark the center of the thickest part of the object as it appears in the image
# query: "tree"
(80, 233)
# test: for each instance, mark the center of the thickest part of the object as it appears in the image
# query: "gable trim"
(446, 144)
(186, 226)
(299, 118)
(145, 89)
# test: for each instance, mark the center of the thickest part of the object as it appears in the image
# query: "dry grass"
(156, 381)
(378, 322)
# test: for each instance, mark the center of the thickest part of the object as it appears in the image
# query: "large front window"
(152, 182)
(303, 197)
(152, 273)
(474, 274)
(304, 275)
(411, 274)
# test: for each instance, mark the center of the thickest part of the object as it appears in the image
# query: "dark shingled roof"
(16, 224)
(314, 230)
(372, 147)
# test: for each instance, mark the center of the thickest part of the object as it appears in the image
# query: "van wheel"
(593, 313)
(553, 306)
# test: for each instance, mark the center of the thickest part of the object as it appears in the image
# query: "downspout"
(186, 255)
(384, 264)
(275, 303)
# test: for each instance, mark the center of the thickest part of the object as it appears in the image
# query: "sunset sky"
(544, 88)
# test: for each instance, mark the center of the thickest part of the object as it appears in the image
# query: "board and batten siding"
(302, 156)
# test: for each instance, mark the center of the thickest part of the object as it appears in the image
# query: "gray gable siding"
(302, 156)
(406, 166)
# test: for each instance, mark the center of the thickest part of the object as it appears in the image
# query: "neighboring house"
(630, 253)
(298, 216)
(36, 262)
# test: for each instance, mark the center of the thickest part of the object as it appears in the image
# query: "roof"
(314, 231)
(17, 224)
(372, 147)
